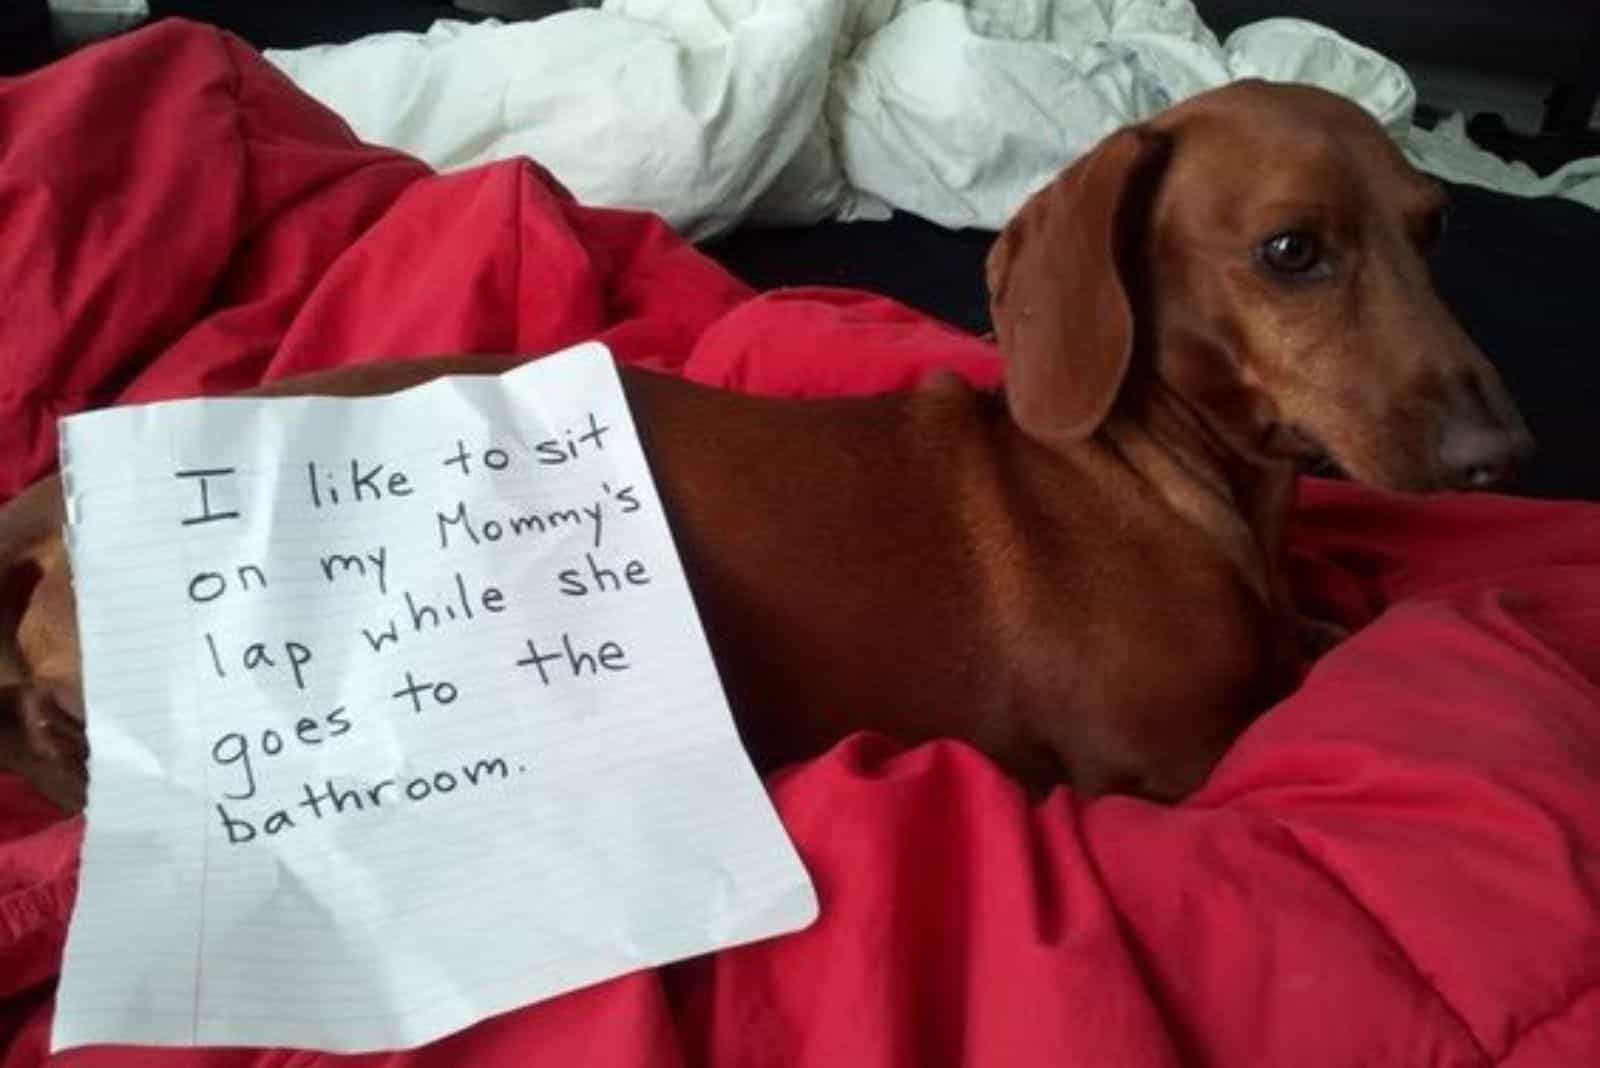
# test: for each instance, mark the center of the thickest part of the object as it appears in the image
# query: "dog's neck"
(1201, 475)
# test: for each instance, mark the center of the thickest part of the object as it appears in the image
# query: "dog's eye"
(1293, 252)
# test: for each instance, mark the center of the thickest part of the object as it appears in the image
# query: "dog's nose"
(1483, 440)
(1480, 456)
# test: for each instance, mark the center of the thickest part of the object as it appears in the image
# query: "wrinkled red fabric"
(1396, 866)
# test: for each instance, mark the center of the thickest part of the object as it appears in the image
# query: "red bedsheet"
(1397, 866)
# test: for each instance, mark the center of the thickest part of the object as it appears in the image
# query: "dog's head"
(1261, 250)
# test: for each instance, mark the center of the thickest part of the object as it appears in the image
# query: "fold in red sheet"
(1400, 865)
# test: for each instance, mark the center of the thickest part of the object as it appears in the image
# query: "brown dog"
(1080, 577)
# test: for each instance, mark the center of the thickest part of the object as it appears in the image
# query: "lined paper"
(400, 716)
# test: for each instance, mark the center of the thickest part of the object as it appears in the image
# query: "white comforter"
(716, 112)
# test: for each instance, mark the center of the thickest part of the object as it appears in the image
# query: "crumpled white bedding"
(80, 21)
(1447, 152)
(717, 112)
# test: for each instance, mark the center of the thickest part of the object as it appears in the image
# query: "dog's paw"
(42, 740)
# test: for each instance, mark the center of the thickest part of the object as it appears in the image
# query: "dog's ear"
(1059, 281)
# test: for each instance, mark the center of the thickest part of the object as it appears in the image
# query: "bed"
(1399, 864)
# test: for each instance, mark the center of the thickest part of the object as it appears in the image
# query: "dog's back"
(914, 564)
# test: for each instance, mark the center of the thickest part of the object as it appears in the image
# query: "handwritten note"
(400, 716)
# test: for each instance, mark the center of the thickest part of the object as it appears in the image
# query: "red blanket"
(1398, 865)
